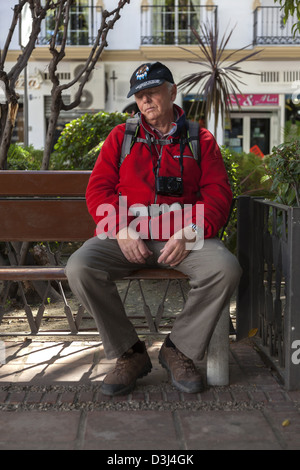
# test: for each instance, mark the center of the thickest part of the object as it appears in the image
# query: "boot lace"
(185, 362)
(122, 362)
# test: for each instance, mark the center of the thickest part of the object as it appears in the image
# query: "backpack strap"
(131, 130)
(193, 139)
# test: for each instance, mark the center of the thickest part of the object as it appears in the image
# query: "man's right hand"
(132, 246)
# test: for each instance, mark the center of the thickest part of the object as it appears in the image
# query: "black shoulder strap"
(131, 129)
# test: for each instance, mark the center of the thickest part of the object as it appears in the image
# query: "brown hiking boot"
(129, 367)
(185, 377)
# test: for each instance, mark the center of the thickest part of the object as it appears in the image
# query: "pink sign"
(255, 100)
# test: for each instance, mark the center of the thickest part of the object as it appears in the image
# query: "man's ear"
(174, 92)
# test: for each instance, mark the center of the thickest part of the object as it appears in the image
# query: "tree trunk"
(7, 132)
(3, 115)
(49, 137)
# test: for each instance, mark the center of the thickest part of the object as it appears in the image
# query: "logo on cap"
(142, 72)
(147, 84)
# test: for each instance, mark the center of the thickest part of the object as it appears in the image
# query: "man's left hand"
(177, 247)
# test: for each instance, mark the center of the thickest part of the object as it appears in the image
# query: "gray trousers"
(213, 273)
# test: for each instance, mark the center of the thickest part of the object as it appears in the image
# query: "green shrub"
(79, 143)
(291, 131)
(283, 171)
(232, 169)
(24, 158)
(250, 169)
(245, 172)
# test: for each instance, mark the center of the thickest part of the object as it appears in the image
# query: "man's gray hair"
(170, 85)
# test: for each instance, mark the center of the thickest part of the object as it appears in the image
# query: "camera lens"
(169, 185)
(172, 185)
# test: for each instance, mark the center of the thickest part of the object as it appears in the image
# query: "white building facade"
(151, 30)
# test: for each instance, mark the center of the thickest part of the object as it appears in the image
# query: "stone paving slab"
(148, 430)
(50, 398)
(36, 430)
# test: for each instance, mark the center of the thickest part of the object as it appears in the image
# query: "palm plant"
(217, 79)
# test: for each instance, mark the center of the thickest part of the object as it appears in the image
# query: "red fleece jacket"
(206, 183)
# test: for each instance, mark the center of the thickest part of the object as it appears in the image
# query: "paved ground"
(50, 399)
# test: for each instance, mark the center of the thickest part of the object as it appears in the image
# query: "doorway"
(250, 132)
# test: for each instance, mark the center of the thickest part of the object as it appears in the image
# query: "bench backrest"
(44, 206)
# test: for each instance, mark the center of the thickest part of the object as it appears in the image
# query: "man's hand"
(177, 247)
(133, 247)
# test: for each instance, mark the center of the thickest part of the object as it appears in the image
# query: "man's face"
(156, 103)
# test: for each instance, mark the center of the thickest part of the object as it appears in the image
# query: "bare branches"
(108, 21)
(99, 44)
(38, 10)
(10, 108)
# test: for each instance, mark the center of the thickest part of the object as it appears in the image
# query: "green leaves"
(283, 168)
(23, 158)
(245, 172)
(232, 170)
(290, 7)
(74, 148)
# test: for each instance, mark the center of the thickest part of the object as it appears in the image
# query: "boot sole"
(183, 388)
(105, 390)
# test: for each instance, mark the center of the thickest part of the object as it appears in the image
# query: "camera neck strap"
(150, 140)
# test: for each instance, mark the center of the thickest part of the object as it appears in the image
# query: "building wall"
(110, 82)
(5, 21)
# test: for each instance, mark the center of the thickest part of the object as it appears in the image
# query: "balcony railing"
(269, 28)
(171, 25)
(85, 20)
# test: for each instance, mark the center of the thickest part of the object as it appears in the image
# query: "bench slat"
(43, 183)
(45, 273)
(45, 220)
(30, 273)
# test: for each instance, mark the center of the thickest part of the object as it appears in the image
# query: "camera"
(169, 186)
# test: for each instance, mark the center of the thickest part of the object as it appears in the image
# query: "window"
(79, 23)
(83, 21)
(173, 19)
(251, 132)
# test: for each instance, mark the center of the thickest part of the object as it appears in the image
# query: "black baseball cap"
(148, 76)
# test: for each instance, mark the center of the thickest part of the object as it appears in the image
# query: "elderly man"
(159, 170)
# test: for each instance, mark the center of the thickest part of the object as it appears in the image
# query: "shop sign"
(255, 100)
(255, 149)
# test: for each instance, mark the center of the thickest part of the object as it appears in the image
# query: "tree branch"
(57, 55)
(9, 109)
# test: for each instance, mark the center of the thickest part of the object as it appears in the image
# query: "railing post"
(249, 253)
(216, 17)
(255, 26)
(244, 248)
(292, 314)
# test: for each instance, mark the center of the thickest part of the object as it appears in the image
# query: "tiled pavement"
(50, 399)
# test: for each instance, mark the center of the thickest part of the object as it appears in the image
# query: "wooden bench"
(49, 206)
